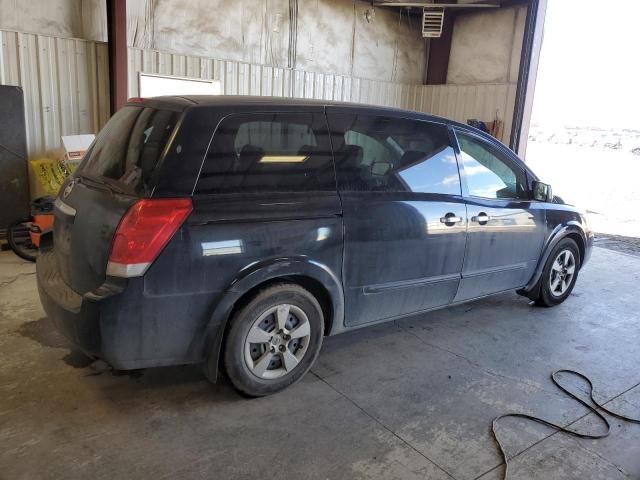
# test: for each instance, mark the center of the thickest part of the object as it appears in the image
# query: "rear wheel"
(19, 240)
(560, 274)
(273, 340)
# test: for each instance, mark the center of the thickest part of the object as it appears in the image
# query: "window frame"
(253, 111)
(452, 143)
(497, 151)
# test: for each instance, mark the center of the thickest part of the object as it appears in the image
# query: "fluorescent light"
(152, 85)
(283, 158)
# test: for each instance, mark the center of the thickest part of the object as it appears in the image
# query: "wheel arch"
(572, 230)
(311, 275)
(580, 242)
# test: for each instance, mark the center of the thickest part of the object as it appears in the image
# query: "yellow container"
(46, 176)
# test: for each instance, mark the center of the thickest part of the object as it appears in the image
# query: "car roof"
(225, 100)
(187, 101)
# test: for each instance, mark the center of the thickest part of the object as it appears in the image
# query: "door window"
(377, 153)
(486, 173)
(279, 152)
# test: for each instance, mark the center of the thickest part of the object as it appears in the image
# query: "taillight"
(143, 232)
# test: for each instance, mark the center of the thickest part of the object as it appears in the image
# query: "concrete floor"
(408, 400)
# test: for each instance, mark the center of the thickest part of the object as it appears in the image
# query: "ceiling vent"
(432, 19)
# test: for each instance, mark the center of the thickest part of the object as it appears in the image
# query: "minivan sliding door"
(404, 216)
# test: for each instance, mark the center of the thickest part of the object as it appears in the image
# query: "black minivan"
(237, 232)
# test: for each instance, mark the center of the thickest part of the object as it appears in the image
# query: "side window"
(377, 153)
(488, 175)
(278, 152)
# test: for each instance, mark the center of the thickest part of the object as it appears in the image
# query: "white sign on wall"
(152, 85)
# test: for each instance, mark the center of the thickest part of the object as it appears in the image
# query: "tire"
(564, 258)
(279, 357)
(19, 240)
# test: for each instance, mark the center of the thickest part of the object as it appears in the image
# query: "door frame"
(502, 152)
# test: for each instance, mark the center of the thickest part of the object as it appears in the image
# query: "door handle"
(482, 218)
(450, 219)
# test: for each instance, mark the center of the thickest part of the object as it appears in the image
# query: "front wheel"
(560, 274)
(273, 340)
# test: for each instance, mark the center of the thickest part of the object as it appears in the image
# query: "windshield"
(127, 149)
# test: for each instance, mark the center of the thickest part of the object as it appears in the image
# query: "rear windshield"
(128, 148)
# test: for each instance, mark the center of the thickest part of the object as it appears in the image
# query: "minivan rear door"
(405, 219)
(117, 170)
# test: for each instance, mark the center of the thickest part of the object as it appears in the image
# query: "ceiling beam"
(436, 5)
(439, 53)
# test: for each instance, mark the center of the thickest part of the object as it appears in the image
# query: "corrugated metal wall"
(65, 83)
(459, 102)
(238, 78)
(485, 101)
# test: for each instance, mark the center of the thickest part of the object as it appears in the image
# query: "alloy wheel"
(277, 341)
(562, 272)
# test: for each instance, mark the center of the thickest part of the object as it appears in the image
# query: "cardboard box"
(75, 146)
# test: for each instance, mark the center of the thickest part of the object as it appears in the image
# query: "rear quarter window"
(269, 152)
(127, 149)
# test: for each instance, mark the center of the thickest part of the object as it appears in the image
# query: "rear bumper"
(78, 320)
(127, 327)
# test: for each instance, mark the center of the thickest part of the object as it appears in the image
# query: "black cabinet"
(14, 179)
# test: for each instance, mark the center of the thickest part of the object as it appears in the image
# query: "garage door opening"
(585, 133)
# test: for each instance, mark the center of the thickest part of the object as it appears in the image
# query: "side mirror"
(542, 192)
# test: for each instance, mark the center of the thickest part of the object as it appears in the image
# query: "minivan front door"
(404, 216)
(506, 229)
